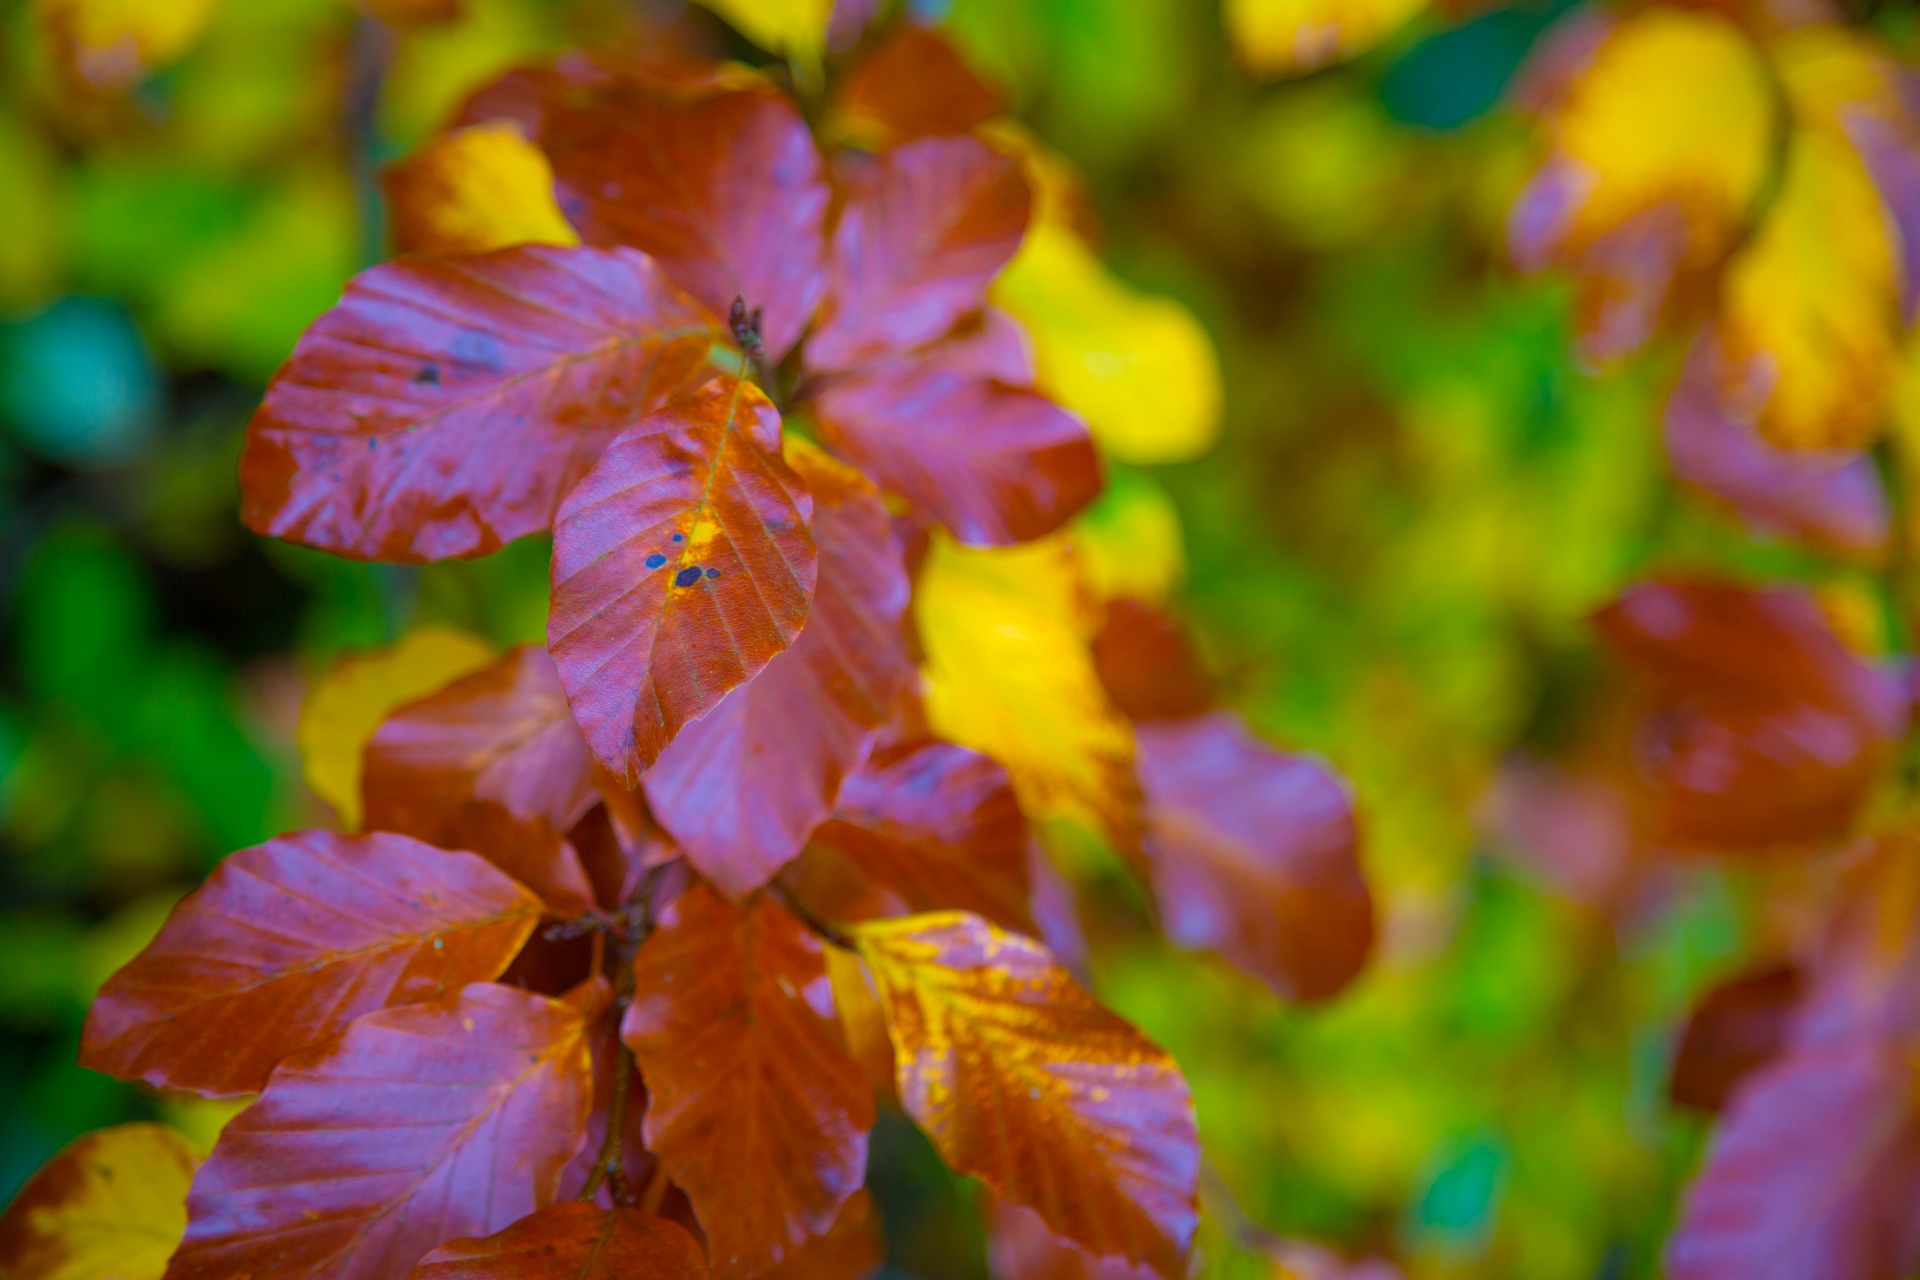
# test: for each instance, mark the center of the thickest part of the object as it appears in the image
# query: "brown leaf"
(681, 566)
(288, 942)
(419, 1125)
(1148, 664)
(914, 84)
(1024, 1081)
(446, 406)
(1736, 1028)
(850, 1250)
(572, 1241)
(755, 1107)
(743, 787)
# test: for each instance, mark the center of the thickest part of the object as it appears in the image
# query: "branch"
(627, 938)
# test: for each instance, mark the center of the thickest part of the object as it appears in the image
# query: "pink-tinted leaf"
(288, 942)
(755, 1108)
(572, 1241)
(681, 566)
(445, 407)
(1254, 855)
(1020, 1247)
(921, 232)
(419, 1125)
(742, 787)
(723, 189)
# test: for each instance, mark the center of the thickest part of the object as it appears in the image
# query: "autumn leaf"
(110, 1206)
(110, 44)
(419, 1125)
(742, 787)
(1737, 1027)
(288, 942)
(1026, 1082)
(681, 566)
(851, 1249)
(754, 1105)
(344, 709)
(1148, 665)
(1655, 152)
(446, 406)
(914, 84)
(934, 826)
(920, 233)
(1008, 673)
(723, 189)
(572, 1240)
(473, 190)
(1130, 540)
(503, 734)
(1255, 855)
(794, 29)
(531, 851)
(1290, 37)
(1020, 1247)
(995, 463)
(1138, 368)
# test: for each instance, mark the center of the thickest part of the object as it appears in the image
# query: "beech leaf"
(288, 942)
(1737, 1027)
(914, 84)
(109, 1206)
(754, 1105)
(572, 1240)
(419, 1125)
(473, 190)
(742, 787)
(445, 406)
(1023, 1080)
(681, 566)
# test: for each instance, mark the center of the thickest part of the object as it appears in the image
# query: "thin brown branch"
(826, 932)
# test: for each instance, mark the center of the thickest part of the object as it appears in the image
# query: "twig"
(785, 897)
(628, 934)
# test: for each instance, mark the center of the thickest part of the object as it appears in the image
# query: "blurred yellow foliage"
(109, 44)
(794, 29)
(473, 190)
(1129, 540)
(111, 1206)
(1287, 37)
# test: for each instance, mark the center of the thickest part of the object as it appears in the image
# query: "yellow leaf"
(108, 44)
(1287, 37)
(415, 13)
(1656, 153)
(348, 704)
(1008, 673)
(473, 190)
(1023, 1080)
(110, 1206)
(1129, 540)
(1810, 320)
(1140, 369)
(794, 29)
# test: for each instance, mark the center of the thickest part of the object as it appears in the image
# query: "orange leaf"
(1026, 1082)
(419, 1125)
(445, 407)
(572, 1241)
(1254, 855)
(110, 1206)
(681, 566)
(914, 84)
(288, 942)
(742, 787)
(755, 1106)
(850, 1250)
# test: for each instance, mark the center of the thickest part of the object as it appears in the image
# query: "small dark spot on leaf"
(687, 576)
(655, 560)
(373, 442)
(429, 375)
(713, 573)
(679, 538)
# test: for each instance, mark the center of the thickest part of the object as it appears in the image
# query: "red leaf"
(572, 1241)
(1148, 664)
(996, 464)
(532, 852)
(742, 787)
(503, 734)
(681, 566)
(419, 1125)
(937, 827)
(445, 407)
(1025, 1081)
(288, 942)
(922, 231)
(1254, 855)
(1737, 1027)
(1830, 498)
(1814, 1174)
(1019, 1247)
(914, 84)
(724, 190)
(756, 1108)
(1768, 730)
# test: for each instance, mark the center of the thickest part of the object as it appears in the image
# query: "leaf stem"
(826, 932)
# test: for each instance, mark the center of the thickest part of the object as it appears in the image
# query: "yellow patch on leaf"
(1008, 673)
(1139, 368)
(110, 1206)
(1288, 37)
(109, 44)
(474, 190)
(1129, 540)
(344, 708)
(794, 29)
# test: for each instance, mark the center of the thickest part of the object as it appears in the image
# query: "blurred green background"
(1417, 499)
